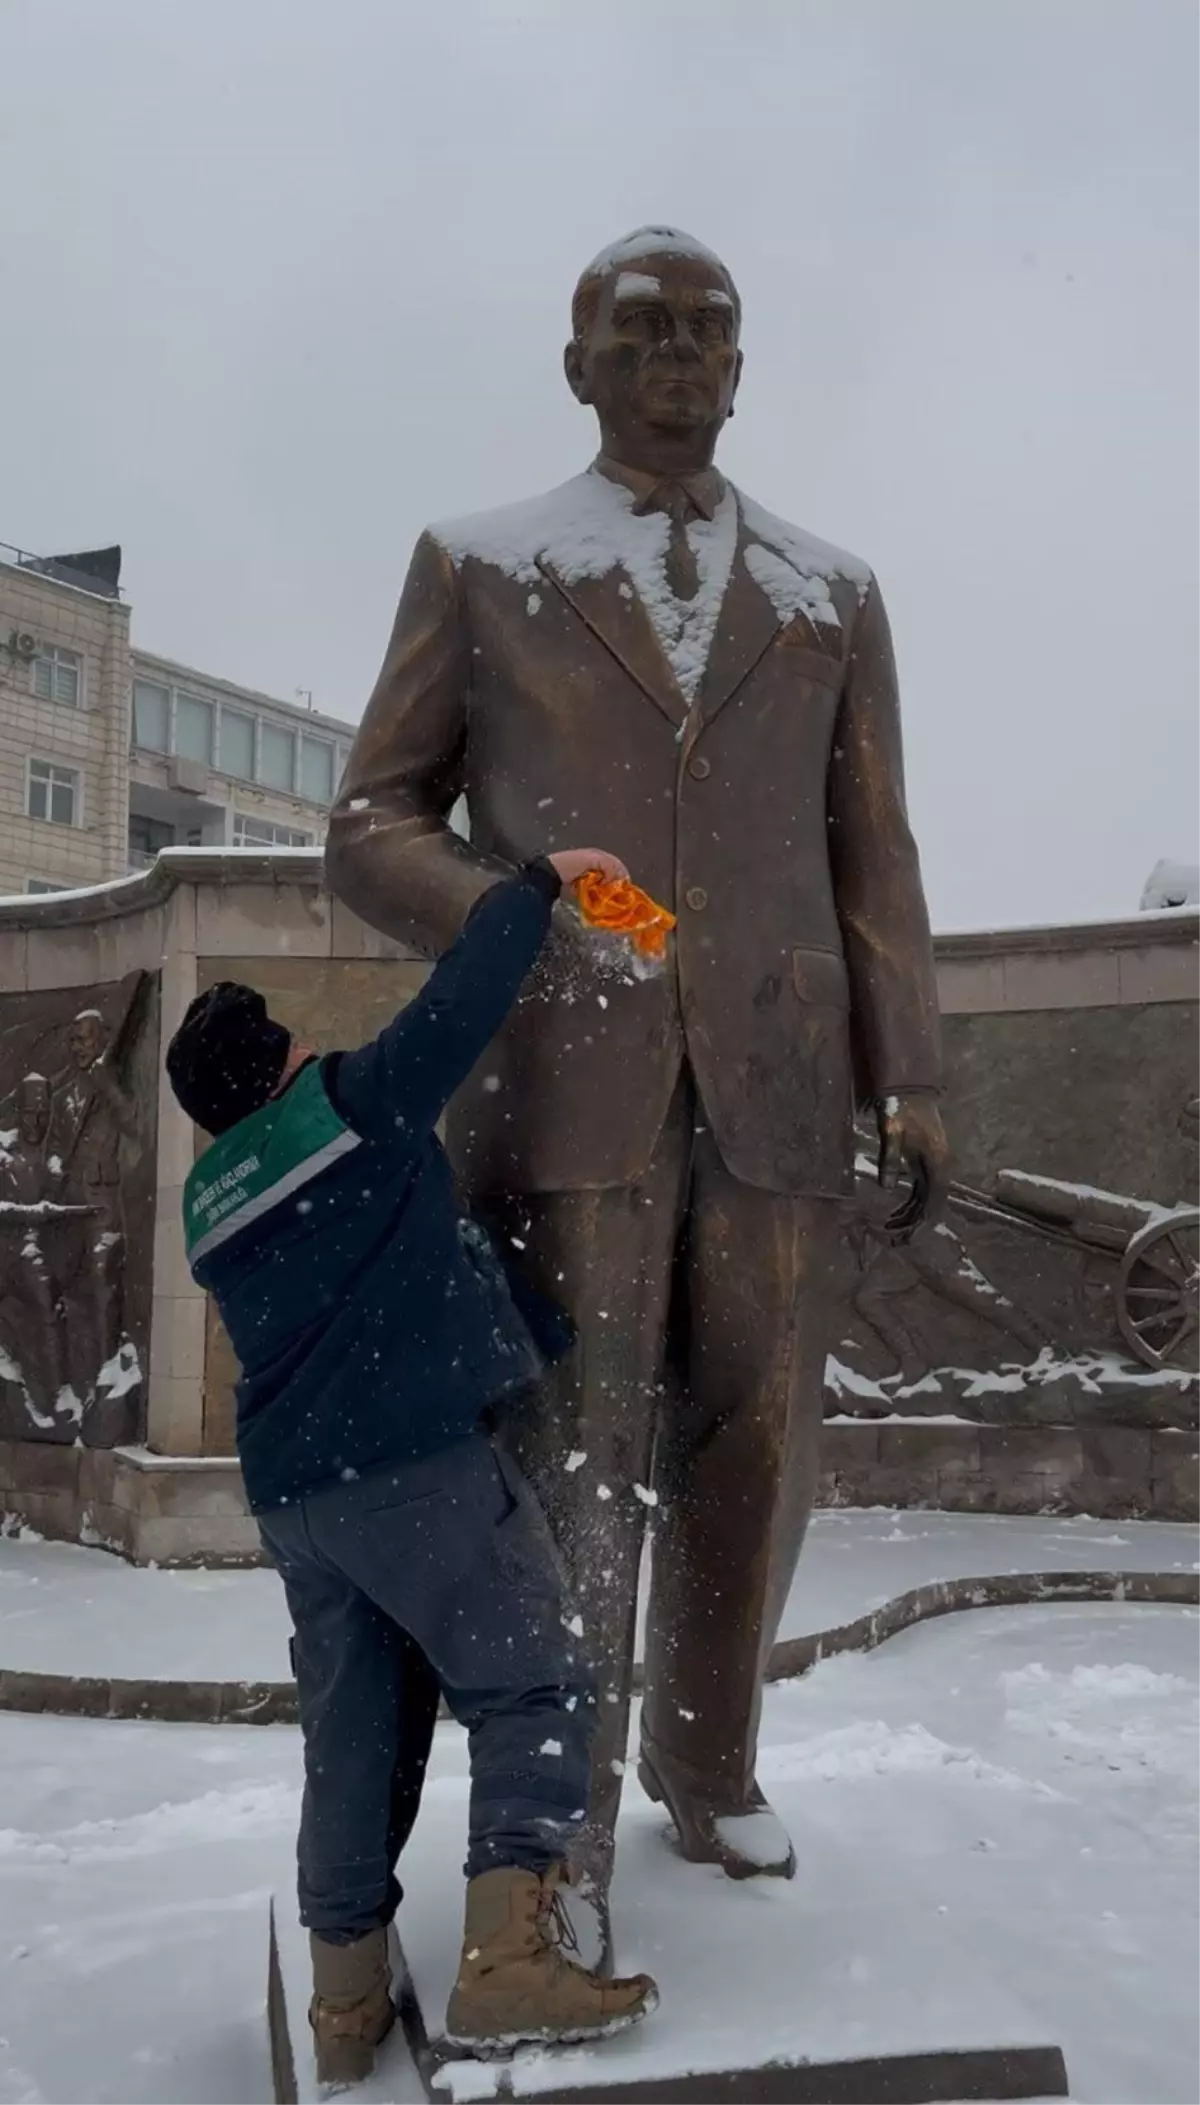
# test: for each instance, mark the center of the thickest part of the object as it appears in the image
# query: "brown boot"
(516, 1983)
(351, 2009)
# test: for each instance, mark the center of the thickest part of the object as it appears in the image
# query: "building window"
(236, 755)
(193, 729)
(57, 676)
(43, 884)
(151, 716)
(235, 741)
(146, 837)
(316, 769)
(250, 832)
(53, 792)
(276, 757)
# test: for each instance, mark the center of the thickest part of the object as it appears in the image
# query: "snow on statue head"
(654, 349)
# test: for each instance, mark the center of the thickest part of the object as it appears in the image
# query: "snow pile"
(1171, 884)
(1122, 1716)
(852, 1753)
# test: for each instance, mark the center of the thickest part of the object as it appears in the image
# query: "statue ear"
(573, 368)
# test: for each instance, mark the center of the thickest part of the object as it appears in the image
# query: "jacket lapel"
(611, 608)
(746, 629)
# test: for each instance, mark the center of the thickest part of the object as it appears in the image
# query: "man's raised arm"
(390, 853)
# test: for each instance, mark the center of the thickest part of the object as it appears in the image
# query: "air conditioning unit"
(23, 643)
(188, 775)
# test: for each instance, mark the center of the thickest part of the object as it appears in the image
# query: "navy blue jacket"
(372, 1319)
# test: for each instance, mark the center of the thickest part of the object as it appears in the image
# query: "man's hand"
(913, 1139)
(572, 863)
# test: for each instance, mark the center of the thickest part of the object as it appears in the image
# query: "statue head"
(33, 1109)
(654, 349)
(86, 1038)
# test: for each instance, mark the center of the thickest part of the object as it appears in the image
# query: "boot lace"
(556, 1928)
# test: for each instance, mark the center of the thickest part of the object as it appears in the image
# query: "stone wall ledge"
(1110, 1473)
(170, 869)
(173, 867)
(150, 1508)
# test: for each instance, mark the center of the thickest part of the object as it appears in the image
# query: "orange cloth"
(622, 908)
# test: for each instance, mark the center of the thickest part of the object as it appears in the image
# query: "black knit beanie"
(227, 1056)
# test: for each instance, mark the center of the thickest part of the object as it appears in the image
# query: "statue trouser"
(721, 1429)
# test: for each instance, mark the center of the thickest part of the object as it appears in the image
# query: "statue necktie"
(683, 576)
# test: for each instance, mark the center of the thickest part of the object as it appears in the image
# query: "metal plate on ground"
(413, 2069)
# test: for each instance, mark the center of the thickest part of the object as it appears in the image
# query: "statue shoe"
(747, 1840)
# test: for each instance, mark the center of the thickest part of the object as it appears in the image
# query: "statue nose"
(684, 343)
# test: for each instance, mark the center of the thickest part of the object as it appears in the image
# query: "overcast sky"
(281, 280)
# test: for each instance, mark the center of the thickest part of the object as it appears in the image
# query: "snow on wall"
(1171, 884)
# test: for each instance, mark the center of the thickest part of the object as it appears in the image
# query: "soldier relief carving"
(1038, 1302)
(75, 1133)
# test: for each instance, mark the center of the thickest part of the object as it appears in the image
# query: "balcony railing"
(63, 573)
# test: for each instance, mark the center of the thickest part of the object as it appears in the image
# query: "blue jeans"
(434, 1576)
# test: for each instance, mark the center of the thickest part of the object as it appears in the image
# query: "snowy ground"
(996, 1823)
(77, 1611)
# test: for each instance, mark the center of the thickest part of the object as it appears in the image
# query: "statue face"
(659, 359)
(85, 1040)
(33, 1111)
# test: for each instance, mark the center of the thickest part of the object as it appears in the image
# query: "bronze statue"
(646, 658)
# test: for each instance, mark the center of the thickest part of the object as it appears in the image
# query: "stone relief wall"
(1038, 1303)
(1089, 1094)
(980, 1371)
(78, 1085)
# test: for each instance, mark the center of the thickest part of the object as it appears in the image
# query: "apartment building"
(109, 753)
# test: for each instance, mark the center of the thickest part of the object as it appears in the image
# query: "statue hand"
(913, 1139)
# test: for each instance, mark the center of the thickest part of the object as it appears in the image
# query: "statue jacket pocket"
(820, 979)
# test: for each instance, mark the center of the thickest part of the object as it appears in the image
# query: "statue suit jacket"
(525, 672)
